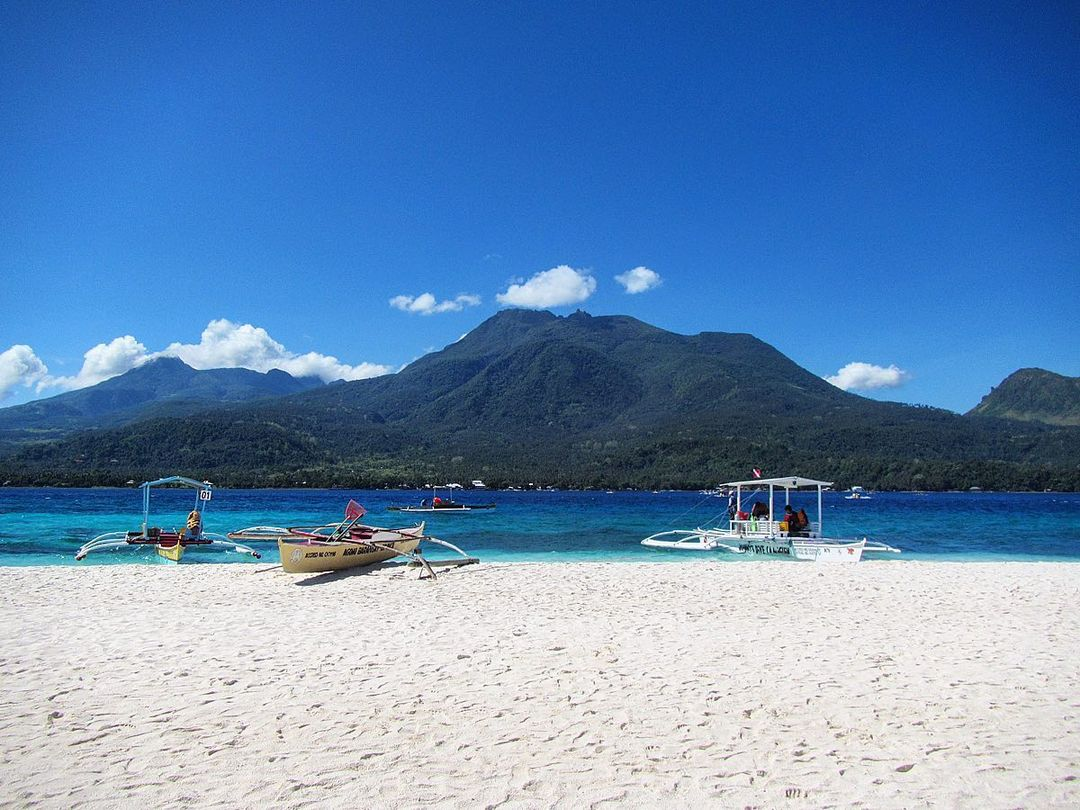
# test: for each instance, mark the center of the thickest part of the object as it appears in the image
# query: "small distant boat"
(441, 505)
(857, 494)
(349, 544)
(169, 544)
(758, 531)
(476, 483)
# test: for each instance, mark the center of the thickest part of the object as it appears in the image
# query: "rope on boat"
(679, 517)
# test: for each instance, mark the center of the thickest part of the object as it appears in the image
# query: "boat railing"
(762, 527)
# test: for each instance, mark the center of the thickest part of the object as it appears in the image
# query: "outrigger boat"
(170, 545)
(441, 505)
(757, 531)
(349, 544)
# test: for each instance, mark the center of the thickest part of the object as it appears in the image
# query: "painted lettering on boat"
(756, 549)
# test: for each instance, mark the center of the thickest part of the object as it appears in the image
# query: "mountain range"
(529, 397)
(165, 386)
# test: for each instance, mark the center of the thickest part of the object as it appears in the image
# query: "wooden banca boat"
(169, 544)
(350, 544)
(752, 525)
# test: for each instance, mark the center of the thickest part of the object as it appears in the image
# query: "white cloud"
(556, 287)
(865, 377)
(425, 303)
(102, 362)
(639, 280)
(224, 344)
(20, 366)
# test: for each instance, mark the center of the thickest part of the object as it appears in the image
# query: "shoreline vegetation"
(132, 484)
(944, 477)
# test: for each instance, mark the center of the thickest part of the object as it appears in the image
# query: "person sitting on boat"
(791, 520)
(194, 524)
(804, 523)
(759, 510)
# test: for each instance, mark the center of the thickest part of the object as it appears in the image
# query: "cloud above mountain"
(867, 377)
(558, 287)
(638, 280)
(19, 366)
(100, 363)
(426, 304)
(223, 344)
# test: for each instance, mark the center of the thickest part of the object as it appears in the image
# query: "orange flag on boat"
(354, 511)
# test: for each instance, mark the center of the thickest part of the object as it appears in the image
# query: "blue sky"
(338, 188)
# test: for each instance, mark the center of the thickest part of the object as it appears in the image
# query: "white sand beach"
(766, 684)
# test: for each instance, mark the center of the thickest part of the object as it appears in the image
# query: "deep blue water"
(46, 526)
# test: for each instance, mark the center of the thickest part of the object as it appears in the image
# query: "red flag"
(354, 511)
(757, 473)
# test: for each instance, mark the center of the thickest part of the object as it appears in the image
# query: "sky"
(885, 192)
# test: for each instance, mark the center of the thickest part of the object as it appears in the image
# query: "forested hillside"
(574, 401)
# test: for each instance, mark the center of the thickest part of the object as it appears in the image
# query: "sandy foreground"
(765, 684)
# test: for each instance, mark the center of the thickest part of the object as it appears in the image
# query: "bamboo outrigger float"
(170, 545)
(350, 544)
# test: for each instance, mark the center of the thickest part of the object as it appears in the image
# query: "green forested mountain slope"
(574, 401)
(1035, 395)
(163, 387)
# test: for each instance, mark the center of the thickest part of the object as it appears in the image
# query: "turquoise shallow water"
(46, 526)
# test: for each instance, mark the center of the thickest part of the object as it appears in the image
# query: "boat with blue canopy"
(170, 544)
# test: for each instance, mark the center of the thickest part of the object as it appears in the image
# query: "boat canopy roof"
(791, 482)
(177, 479)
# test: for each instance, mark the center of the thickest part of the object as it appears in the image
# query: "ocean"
(46, 526)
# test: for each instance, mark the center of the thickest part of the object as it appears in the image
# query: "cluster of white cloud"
(425, 303)
(223, 344)
(866, 377)
(558, 287)
(638, 280)
(102, 362)
(20, 366)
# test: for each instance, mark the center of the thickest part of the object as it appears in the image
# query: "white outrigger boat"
(170, 545)
(758, 531)
(349, 544)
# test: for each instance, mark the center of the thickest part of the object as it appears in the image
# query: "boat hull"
(173, 553)
(827, 552)
(313, 556)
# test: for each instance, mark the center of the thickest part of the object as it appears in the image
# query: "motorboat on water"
(169, 544)
(349, 544)
(753, 527)
(857, 494)
(441, 505)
